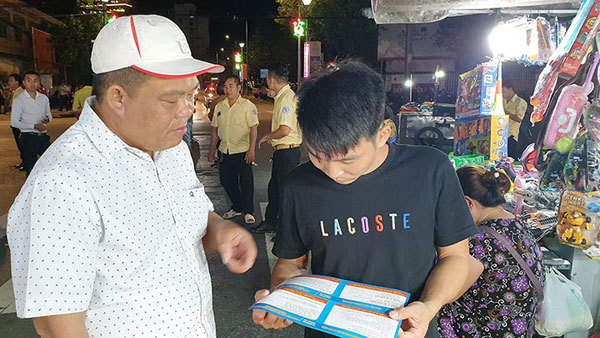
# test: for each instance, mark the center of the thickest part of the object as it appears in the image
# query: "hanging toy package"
(575, 170)
(573, 99)
(567, 57)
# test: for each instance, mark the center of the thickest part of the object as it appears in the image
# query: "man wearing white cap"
(109, 234)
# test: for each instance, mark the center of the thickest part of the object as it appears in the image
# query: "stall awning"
(419, 11)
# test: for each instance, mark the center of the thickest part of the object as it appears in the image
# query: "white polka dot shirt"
(101, 227)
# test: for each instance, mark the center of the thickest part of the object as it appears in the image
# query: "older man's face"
(156, 118)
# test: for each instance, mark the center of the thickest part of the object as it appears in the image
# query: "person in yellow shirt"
(79, 99)
(515, 108)
(15, 85)
(285, 138)
(235, 123)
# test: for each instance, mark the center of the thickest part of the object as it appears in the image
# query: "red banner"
(43, 51)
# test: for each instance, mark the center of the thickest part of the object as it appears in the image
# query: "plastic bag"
(563, 309)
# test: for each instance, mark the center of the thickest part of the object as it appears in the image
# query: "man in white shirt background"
(31, 114)
(110, 232)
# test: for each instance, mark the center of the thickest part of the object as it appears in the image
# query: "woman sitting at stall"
(503, 300)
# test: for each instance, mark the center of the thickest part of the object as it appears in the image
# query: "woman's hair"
(485, 186)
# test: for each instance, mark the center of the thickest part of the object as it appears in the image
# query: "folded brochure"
(339, 307)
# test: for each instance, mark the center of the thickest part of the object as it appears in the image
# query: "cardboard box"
(483, 135)
(477, 92)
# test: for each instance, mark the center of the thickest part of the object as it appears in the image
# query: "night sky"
(226, 16)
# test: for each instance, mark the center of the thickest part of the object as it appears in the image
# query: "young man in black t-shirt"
(367, 210)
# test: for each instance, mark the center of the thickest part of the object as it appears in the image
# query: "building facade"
(17, 19)
(194, 27)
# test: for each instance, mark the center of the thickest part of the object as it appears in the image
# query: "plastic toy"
(575, 171)
(572, 224)
(569, 107)
(577, 221)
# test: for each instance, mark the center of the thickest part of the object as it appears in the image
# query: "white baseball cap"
(151, 44)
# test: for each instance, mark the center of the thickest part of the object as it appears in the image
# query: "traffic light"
(299, 27)
(237, 57)
(111, 18)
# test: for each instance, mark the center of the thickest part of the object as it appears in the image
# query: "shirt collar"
(286, 87)
(234, 102)
(514, 98)
(107, 142)
(37, 94)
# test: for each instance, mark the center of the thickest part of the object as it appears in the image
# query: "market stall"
(557, 179)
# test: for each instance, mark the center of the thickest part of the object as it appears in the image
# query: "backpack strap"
(536, 282)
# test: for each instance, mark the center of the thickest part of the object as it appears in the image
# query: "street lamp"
(227, 36)
(222, 49)
(439, 74)
(409, 83)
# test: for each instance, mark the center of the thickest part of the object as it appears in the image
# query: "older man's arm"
(70, 325)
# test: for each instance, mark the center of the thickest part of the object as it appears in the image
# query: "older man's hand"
(236, 247)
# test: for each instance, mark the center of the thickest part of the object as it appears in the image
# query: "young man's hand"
(211, 157)
(236, 247)
(415, 319)
(263, 140)
(266, 319)
(249, 156)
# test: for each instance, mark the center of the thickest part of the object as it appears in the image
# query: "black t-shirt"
(381, 229)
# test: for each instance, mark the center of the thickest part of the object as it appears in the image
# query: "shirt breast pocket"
(239, 120)
(193, 212)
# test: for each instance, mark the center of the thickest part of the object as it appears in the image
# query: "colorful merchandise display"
(483, 135)
(477, 91)
(556, 180)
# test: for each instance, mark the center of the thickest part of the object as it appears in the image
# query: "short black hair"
(508, 83)
(31, 72)
(17, 78)
(129, 78)
(340, 107)
(279, 70)
(232, 76)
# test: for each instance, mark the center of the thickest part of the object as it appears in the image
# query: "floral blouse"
(503, 300)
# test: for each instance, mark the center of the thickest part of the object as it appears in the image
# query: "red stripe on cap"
(168, 76)
(135, 39)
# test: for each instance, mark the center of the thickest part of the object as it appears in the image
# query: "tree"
(73, 45)
(269, 43)
(340, 26)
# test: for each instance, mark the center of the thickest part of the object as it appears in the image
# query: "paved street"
(232, 294)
